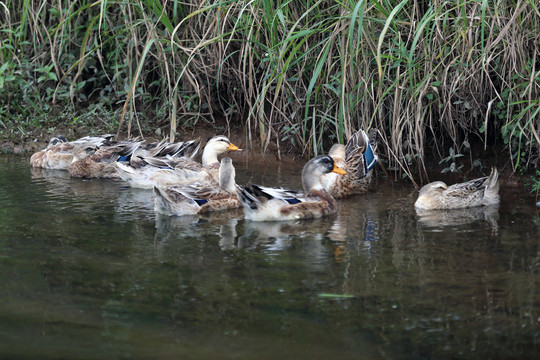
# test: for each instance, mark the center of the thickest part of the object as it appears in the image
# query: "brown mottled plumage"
(357, 158)
(477, 192)
(98, 162)
(196, 199)
(275, 204)
(58, 154)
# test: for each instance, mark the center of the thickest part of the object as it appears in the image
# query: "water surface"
(88, 271)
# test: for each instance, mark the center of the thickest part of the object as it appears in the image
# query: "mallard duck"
(98, 162)
(197, 199)
(357, 158)
(268, 204)
(163, 172)
(58, 154)
(477, 192)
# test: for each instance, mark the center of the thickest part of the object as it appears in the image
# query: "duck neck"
(209, 157)
(312, 183)
(227, 180)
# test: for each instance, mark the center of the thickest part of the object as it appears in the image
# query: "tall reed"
(428, 75)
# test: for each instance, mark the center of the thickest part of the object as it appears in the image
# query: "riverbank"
(284, 157)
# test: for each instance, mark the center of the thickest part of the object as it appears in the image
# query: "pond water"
(89, 272)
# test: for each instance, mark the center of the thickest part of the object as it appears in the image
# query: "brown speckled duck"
(477, 192)
(98, 162)
(58, 154)
(357, 158)
(196, 199)
(275, 204)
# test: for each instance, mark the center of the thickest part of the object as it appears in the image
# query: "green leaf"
(338, 296)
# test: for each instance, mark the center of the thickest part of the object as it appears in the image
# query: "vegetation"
(429, 75)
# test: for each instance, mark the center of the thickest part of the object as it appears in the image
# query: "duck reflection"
(436, 219)
(277, 236)
(222, 223)
(132, 201)
(356, 228)
(58, 183)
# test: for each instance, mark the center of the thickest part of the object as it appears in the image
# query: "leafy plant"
(451, 160)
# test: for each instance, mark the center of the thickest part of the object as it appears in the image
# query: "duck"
(262, 203)
(90, 161)
(58, 155)
(193, 199)
(483, 191)
(358, 159)
(164, 172)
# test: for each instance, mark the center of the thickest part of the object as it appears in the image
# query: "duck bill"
(338, 170)
(233, 147)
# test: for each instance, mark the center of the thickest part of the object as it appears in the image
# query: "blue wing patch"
(293, 201)
(201, 202)
(369, 159)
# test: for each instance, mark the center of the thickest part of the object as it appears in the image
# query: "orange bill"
(233, 147)
(338, 170)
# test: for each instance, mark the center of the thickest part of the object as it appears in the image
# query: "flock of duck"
(184, 186)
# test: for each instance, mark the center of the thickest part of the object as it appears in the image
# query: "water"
(87, 271)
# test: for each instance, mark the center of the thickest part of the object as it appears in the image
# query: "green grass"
(429, 75)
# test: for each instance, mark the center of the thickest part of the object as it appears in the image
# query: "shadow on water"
(89, 271)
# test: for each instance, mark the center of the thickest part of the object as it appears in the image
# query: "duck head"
(428, 193)
(314, 168)
(216, 146)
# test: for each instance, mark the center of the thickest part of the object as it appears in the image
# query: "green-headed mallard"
(197, 199)
(269, 204)
(357, 158)
(477, 192)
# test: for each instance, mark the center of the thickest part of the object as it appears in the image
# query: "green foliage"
(451, 160)
(534, 184)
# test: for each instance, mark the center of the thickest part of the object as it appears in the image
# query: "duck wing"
(360, 155)
(253, 195)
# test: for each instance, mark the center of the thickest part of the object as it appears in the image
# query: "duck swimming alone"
(477, 192)
(197, 199)
(164, 172)
(274, 204)
(357, 158)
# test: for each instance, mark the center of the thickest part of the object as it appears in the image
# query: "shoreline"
(287, 158)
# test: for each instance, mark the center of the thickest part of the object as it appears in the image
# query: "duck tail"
(189, 149)
(248, 196)
(491, 192)
(128, 150)
(162, 201)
